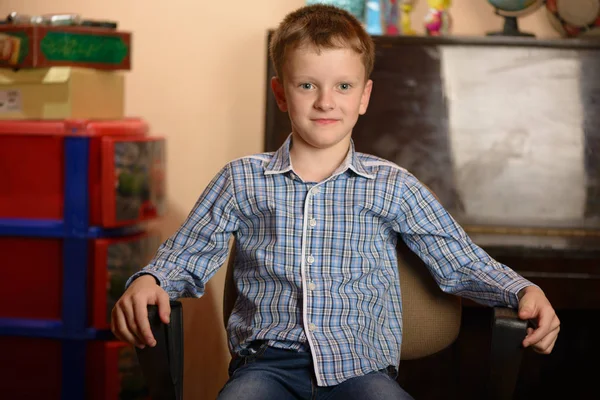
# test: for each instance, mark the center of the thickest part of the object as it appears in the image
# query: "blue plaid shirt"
(316, 263)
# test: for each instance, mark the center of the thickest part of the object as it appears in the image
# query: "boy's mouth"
(325, 121)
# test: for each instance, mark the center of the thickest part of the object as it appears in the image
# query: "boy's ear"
(277, 87)
(364, 99)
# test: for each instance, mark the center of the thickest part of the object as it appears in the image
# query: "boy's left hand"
(534, 305)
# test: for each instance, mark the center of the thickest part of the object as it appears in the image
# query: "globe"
(515, 8)
(511, 10)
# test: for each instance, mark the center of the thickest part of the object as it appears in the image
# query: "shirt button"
(312, 327)
(312, 222)
(314, 191)
(310, 259)
(312, 286)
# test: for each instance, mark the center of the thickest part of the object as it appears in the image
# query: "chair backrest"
(431, 318)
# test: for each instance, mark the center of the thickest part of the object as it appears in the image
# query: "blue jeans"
(265, 373)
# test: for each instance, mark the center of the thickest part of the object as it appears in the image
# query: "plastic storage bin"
(113, 261)
(35, 287)
(126, 171)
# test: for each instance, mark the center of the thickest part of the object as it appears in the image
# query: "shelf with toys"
(576, 18)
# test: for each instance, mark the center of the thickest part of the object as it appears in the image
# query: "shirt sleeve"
(186, 261)
(457, 264)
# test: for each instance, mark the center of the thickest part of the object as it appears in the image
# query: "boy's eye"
(306, 86)
(345, 86)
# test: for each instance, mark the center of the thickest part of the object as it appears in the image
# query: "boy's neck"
(315, 165)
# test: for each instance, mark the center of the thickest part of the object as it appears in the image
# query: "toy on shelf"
(373, 17)
(391, 17)
(574, 18)
(407, 8)
(511, 10)
(437, 20)
(354, 7)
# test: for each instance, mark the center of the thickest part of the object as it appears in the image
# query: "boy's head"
(323, 59)
(322, 27)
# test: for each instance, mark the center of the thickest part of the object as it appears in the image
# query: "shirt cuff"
(160, 280)
(513, 291)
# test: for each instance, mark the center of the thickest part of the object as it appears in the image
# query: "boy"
(318, 311)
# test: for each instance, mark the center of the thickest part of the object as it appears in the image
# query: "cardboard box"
(37, 46)
(61, 93)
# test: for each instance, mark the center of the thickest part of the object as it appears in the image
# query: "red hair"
(324, 27)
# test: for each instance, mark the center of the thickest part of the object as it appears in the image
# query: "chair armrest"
(162, 365)
(508, 332)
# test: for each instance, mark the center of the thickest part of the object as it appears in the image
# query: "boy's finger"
(536, 336)
(122, 329)
(164, 307)
(140, 310)
(132, 326)
(541, 331)
(113, 323)
(546, 344)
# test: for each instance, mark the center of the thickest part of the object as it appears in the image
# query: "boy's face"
(323, 93)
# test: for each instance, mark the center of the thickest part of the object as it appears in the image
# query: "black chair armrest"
(162, 365)
(508, 332)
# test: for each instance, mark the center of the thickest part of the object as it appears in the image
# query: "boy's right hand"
(129, 319)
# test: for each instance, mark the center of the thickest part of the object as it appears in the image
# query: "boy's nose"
(325, 101)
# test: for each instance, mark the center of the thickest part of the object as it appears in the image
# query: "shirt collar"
(282, 163)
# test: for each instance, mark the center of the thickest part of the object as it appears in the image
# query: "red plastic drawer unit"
(33, 275)
(111, 370)
(126, 171)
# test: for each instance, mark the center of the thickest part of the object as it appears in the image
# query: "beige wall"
(198, 78)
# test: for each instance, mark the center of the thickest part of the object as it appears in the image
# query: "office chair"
(431, 323)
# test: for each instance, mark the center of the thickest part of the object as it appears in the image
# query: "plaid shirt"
(316, 263)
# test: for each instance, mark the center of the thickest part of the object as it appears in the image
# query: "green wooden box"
(38, 46)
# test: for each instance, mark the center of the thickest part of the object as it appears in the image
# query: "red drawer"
(132, 181)
(33, 275)
(126, 170)
(113, 262)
